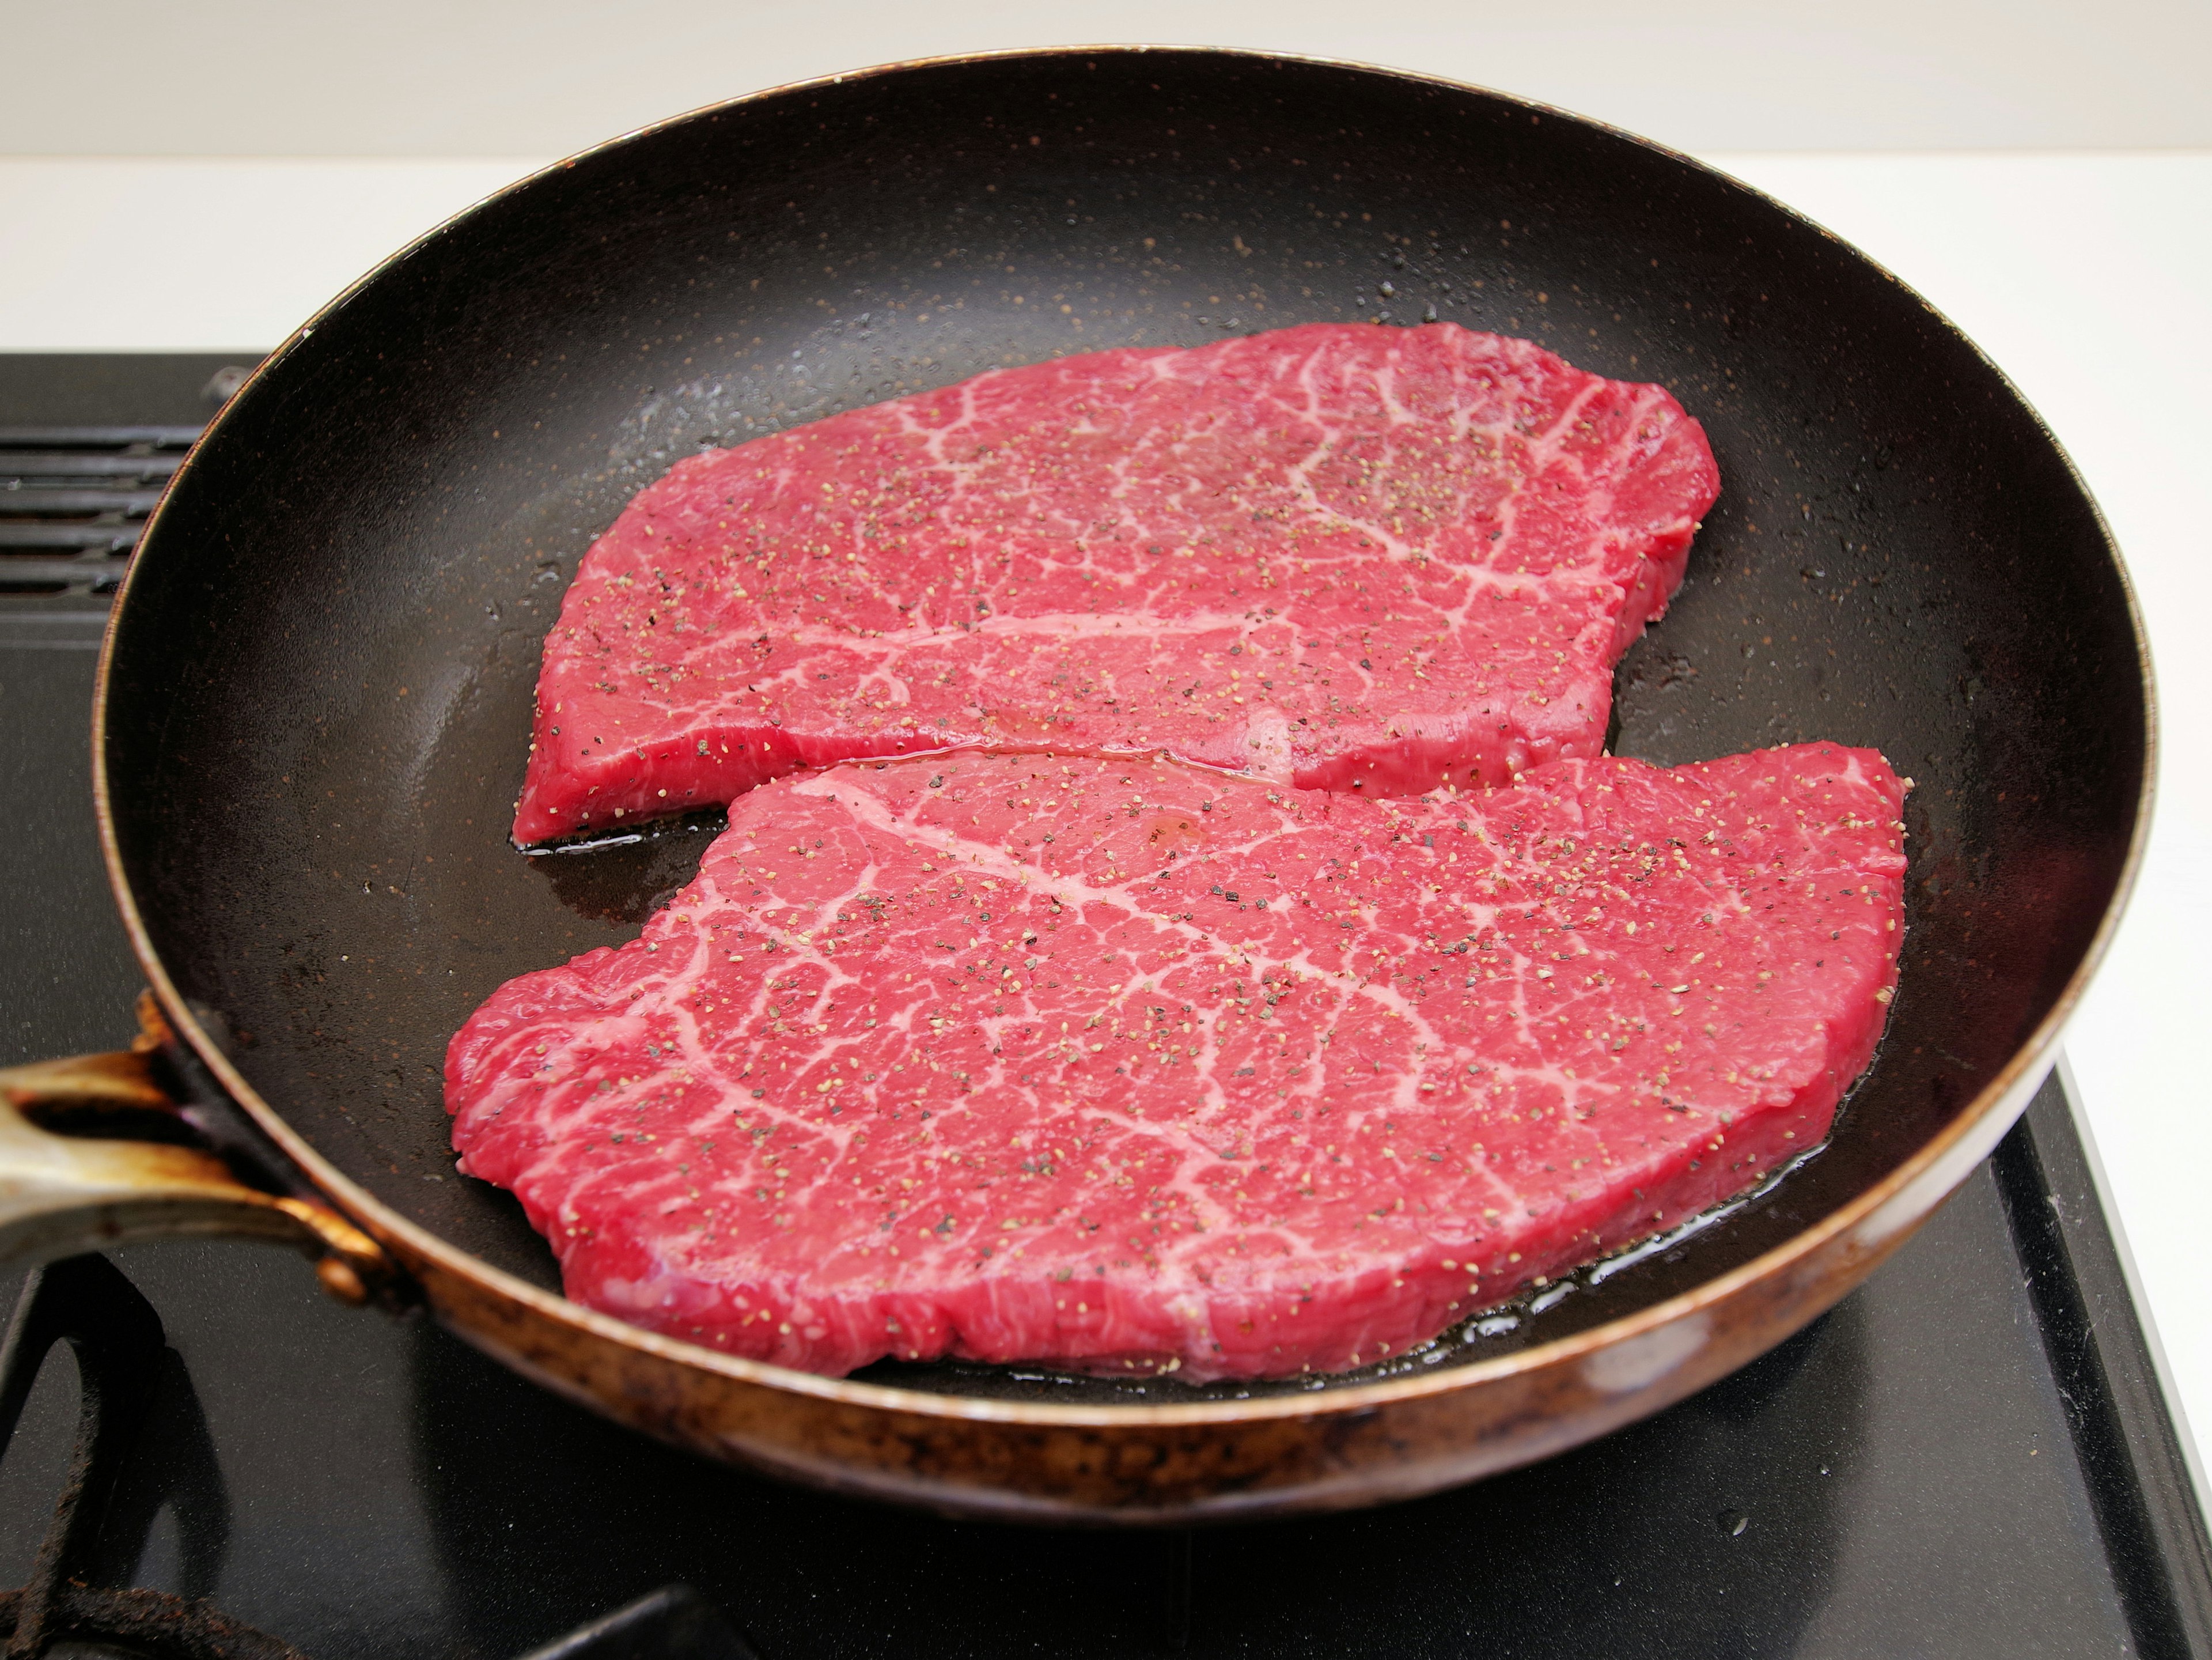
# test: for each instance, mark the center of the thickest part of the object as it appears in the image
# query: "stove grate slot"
(73, 500)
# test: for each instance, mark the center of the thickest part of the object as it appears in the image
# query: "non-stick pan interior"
(320, 696)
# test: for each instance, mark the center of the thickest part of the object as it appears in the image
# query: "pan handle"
(63, 1194)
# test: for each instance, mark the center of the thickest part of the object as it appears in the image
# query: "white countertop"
(2087, 276)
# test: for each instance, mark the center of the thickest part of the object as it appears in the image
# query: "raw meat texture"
(1336, 555)
(1131, 1065)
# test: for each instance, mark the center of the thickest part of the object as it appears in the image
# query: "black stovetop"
(1966, 1457)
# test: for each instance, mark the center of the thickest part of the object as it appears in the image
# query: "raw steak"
(1336, 555)
(1116, 1064)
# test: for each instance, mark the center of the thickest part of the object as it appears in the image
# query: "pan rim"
(1974, 1128)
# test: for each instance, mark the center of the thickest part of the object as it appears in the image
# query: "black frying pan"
(317, 693)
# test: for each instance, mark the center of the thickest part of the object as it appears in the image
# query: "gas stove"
(1967, 1457)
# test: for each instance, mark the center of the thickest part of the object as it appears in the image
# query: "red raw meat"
(1336, 555)
(1129, 1065)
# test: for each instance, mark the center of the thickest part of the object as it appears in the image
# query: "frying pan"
(314, 701)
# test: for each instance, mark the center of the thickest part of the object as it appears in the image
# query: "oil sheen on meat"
(1338, 555)
(1123, 1065)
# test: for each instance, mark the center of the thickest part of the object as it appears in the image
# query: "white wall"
(535, 78)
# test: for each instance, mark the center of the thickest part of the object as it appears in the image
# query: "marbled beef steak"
(1128, 1064)
(1331, 555)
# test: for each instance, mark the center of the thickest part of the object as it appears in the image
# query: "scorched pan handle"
(63, 1194)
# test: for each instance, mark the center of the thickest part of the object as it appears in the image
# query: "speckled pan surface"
(317, 695)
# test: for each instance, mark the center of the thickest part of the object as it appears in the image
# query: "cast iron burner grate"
(120, 1349)
(118, 1342)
